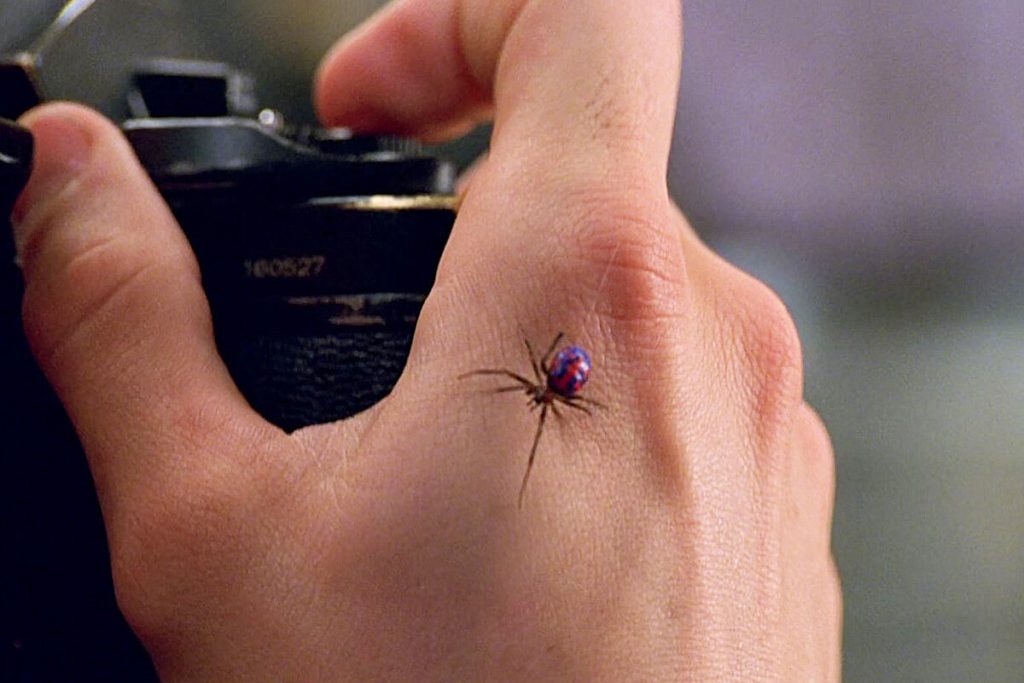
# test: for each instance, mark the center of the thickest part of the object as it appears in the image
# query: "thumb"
(114, 310)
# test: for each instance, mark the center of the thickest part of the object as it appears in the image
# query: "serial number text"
(284, 267)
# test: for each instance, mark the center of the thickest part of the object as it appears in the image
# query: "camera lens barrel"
(314, 304)
(317, 250)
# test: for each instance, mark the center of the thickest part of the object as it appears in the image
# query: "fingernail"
(62, 149)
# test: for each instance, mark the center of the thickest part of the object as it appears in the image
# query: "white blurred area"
(866, 159)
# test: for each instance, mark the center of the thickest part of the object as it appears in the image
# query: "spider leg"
(533, 361)
(502, 390)
(572, 404)
(533, 452)
(507, 373)
(588, 401)
(551, 350)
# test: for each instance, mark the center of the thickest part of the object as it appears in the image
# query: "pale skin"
(681, 533)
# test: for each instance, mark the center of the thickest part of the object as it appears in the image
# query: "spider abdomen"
(569, 371)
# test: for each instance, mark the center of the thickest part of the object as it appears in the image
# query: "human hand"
(682, 533)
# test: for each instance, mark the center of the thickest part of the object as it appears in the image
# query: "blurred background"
(866, 159)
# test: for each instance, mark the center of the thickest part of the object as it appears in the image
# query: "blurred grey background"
(866, 159)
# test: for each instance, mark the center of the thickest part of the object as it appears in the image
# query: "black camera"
(316, 248)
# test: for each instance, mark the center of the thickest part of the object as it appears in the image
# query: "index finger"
(597, 77)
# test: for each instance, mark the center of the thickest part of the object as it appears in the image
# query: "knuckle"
(816, 450)
(764, 354)
(773, 344)
(833, 604)
(630, 249)
(76, 292)
(90, 285)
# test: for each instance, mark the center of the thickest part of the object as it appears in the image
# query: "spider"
(559, 382)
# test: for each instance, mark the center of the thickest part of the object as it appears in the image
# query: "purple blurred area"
(861, 131)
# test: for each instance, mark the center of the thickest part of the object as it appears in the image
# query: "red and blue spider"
(559, 382)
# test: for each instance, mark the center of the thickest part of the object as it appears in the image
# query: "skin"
(680, 534)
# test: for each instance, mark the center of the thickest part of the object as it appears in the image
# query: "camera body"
(316, 248)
